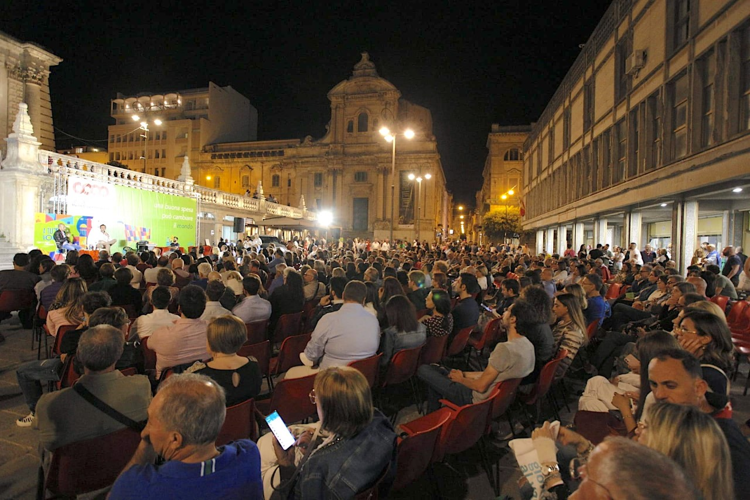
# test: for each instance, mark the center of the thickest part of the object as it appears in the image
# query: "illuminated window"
(275, 180)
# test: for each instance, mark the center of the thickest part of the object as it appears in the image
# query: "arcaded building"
(647, 139)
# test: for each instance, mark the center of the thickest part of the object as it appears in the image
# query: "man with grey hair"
(184, 420)
(66, 417)
(204, 269)
(278, 278)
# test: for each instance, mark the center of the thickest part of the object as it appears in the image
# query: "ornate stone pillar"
(21, 183)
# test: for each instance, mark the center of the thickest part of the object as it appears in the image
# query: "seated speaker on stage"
(100, 239)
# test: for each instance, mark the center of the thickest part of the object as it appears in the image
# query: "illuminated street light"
(511, 192)
(504, 197)
(460, 207)
(325, 218)
(428, 176)
(391, 138)
(144, 126)
(737, 190)
(461, 217)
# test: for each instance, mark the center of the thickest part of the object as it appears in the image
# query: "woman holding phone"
(345, 455)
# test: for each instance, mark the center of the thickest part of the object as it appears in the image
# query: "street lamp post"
(504, 197)
(419, 198)
(144, 126)
(391, 137)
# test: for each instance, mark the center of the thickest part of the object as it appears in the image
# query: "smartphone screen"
(280, 430)
(486, 308)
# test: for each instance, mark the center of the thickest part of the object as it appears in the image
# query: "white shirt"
(137, 277)
(214, 309)
(144, 326)
(252, 308)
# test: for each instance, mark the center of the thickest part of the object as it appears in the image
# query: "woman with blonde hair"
(570, 330)
(698, 257)
(239, 376)
(67, 309)
(695, 441)
(577, 290)
(351, 431)
(233, 281)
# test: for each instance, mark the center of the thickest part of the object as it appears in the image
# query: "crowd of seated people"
(193, 313)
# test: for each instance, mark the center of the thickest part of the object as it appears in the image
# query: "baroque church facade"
(348, 170)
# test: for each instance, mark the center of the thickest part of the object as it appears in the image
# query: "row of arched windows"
(362, 124)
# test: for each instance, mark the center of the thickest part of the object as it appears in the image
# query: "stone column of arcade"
(22, 180)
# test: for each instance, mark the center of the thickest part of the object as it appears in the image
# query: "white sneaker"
(26, 421)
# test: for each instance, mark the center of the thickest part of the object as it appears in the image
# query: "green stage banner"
(130, 215)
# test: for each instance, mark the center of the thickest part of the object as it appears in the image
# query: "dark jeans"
(439, 386)
(623, 314)
(604, 357)
(31, 375)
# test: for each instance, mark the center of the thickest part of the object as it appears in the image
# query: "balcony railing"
(63, 166)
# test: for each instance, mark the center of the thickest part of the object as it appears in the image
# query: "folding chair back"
(288, 326)
(16, 300)
(369, 368)
(460, 340)
(402, 367)
(546, 377)
(505, 396)
(613, 291)
(291, 398)
(257, 331)
(61, 331)
(90, 465)
(466, 427)
(239, 423)
(735, 315)
(149, 356)
(261, 352)
(289, 353)
(591, 329)
(433, 350)
(721, 301)
(415, 451)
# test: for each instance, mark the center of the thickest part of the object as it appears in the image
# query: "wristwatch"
(550, 470)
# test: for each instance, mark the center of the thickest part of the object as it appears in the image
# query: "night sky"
(471, 63)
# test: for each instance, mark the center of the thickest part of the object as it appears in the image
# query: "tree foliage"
(501, 223)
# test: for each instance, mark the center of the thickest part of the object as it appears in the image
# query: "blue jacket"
(350, 466)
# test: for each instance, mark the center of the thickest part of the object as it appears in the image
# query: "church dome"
(364, 80)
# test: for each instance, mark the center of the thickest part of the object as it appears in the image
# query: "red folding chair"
(291, 398)
(369, 368)
(129, 371)
(417, 450)
(591, 329)
(16, 300)
(433, 351)
(90, 465)
(721, 301)
(491, 335)
(613, 291)
(69, 375)
(403, 367)
(61, 331)
(288, 326)
(459, 342)
(734, 318)
(465, 428)
(149, 357)
(543, 385)
(257, 331)
(239, 423)
(289, 353)
(262, 353)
